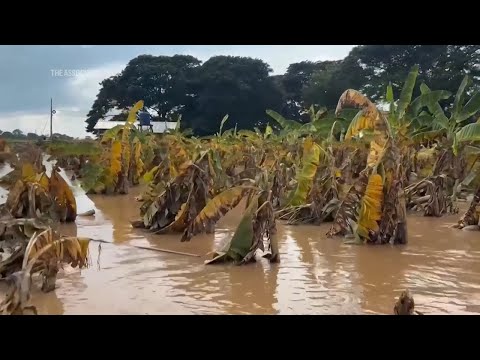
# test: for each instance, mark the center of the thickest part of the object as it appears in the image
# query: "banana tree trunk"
(470, 217)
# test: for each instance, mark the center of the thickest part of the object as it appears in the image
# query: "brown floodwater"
(316, 275)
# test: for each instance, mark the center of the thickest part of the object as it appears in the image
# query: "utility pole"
(52, 112)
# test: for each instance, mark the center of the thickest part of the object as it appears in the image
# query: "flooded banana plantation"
(359, 211)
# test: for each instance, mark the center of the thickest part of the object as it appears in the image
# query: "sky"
(70, 74)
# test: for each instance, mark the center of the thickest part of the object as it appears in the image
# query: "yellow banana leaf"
(132, 114)
(150, 175)
(310, 159)
(115, 159)
(367, 119)
(179, 224)
(43, 180)
(370, 207)
(125, 158)
(215, 209)
(63, 195)
(28, 173)
(138, 158)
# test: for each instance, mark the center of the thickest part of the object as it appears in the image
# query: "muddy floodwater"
(316, 275)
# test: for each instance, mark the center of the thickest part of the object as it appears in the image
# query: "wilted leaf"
(116, 158)
(347, 209)
(369, 118)
(28, 173)
(240, 244)
(310, 160)
(370, 207)
(149, 175)
(111, 134)
(214, 210)
(63, 197)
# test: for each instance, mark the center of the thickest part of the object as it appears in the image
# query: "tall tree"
(163, 82)
(441, 67)
(295, 81)
(237, 86)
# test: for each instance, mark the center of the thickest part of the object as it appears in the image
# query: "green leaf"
(438, 114)
(407, 91)
(179, 122)
(112, 133)
(268, 131)
(424, 88)
(331, 136)
(284, 123)
(148, 176)
(470, 108)
(239, 246)
(427, 135)
(459, 97)
(323, 127)
(428, 98)
(422, 120)
(389, 96)
(470, 132)
(346, 114)
(320, 113)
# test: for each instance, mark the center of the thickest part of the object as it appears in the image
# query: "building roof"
(158, 126)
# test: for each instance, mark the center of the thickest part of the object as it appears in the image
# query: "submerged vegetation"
(359, 167)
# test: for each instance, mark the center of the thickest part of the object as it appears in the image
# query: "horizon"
(70, 74)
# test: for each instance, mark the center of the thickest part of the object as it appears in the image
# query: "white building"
(158, 127)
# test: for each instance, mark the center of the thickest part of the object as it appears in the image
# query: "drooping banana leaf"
(240, 244)
(284, 123)
(470, 132)
(346, 214)
(369, 118)
(63, 196)
(428, 98)
(310, 160)
(215, 209)
(471, 108)
(370, 207)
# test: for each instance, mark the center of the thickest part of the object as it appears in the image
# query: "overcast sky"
(28, 80)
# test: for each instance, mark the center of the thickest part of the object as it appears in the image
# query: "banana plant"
(451, 132)
(406, 116)
(373, 210)
(321, 122)
(452, 127)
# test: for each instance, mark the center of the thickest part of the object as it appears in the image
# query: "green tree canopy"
(237, 86)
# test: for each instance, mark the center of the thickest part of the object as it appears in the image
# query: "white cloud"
(69, 120)
(85, 86)
(65, 121)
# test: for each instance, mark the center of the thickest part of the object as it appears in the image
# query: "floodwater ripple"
(316, 275)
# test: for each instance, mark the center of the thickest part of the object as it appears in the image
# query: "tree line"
(18, 134)
(243, 87)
